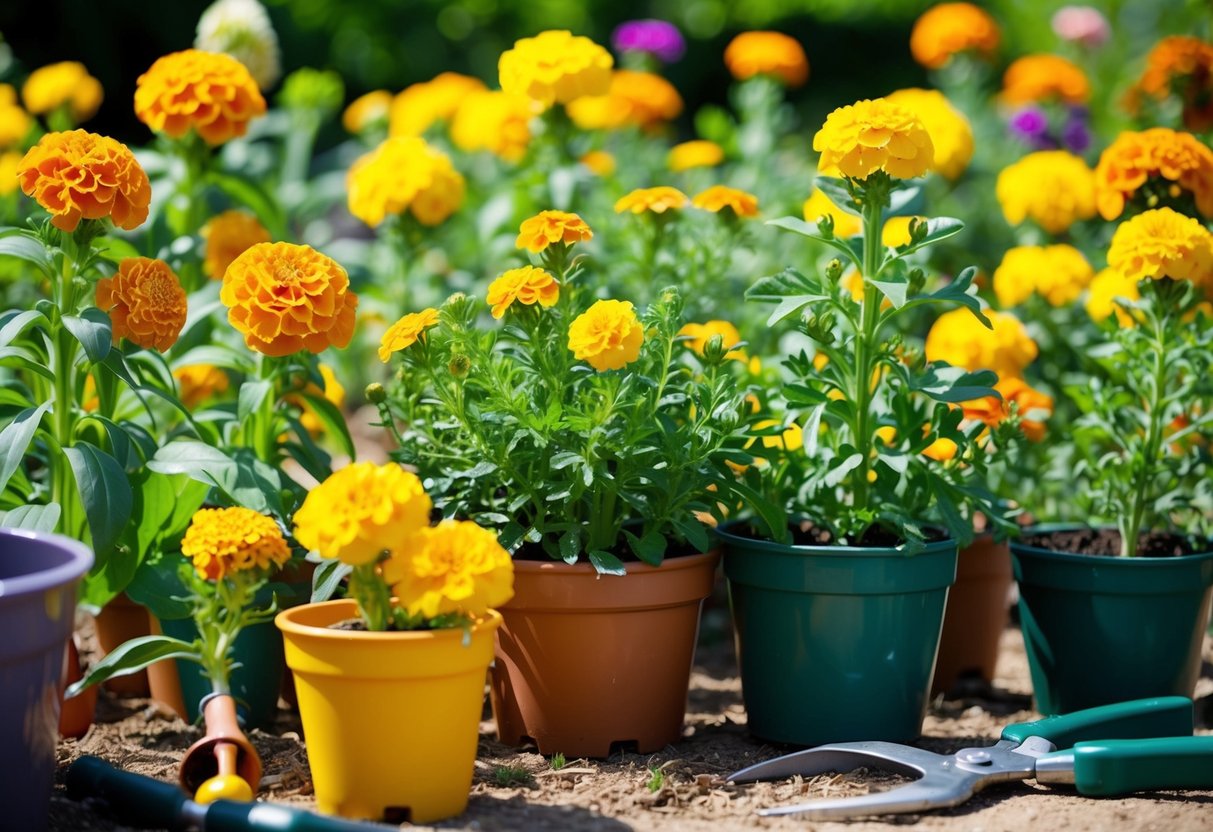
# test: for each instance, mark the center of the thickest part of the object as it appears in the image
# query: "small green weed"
(656, 779)
(558, 762)
(510, 776)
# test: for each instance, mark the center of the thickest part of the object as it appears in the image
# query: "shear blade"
(912, 797)
(843, 757)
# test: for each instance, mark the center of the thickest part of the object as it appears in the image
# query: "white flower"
(242, 29)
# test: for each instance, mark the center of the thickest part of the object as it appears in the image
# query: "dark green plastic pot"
(1101, 629)
(836, 644)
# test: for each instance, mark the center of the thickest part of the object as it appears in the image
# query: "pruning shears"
(1105, 751)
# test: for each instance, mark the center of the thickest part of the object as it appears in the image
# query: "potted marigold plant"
(590, 438)
(391, 681)
(838, 580)
(1144, 584)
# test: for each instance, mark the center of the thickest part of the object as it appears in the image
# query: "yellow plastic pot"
(391, 720)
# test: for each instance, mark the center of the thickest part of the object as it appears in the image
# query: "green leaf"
(905, 199)
(938, 228)
(570, 545)
(810, 230)
(650, 548)
(115, 249)
(245, 480)
(104, 491)
(253, 196)
(219, 356)
(16, 438)
(93, 329)
(945, 383)
(25, 247)
(164, 507)
(789, 290)
(840, 467)
(327, 578)
(606, 563)
(771, 516)
(133, 656)
(695, 533)
(836, 190)
(893, 287)
(956, 293)
(32, 518)
(252, 394)
(333, 423)
(23, 359)
(157, 585)
(13, 323)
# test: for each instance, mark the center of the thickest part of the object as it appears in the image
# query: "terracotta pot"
(163, 679)
(122, 620)
(586, 662)
(976, 614)
(76, 715)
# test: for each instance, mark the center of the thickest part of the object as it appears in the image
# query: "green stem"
(865, 342)
(372, 595)
(1154, 435)
(63, 414)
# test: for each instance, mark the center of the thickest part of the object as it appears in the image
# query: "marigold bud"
(834, 269)
(375, 393)
(459, 366)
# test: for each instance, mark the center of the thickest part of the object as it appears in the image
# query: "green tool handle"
(1166, 716)
(230, 816)
(135, 800)
(1117, 767)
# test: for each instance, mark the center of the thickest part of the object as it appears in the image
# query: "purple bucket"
(38, 575)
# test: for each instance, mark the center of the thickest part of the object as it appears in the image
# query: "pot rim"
(668, 564)
(80, 560)
(1018, 546)
(774, 547)
(286, 623)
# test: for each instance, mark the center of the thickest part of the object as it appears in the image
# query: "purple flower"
(1076, 135)
(657, 37)
(1030, 123)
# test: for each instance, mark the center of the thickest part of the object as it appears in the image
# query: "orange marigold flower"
(607, 336)
(210, 93)
(550, 227)
(284, 298)
(404, 174)
(65, 84)
(767, 53)
(221, 541)
(867, 136)
(366, 110)
(948, 28)
(145, 302)
(1158, 159)
(198, 382)
(1179, 65)
(636, 99)
(555, 67)
(600, 162)
(79, 175)
(424, 104)
(1163, 243)
(227, 236)
(699, 153)
(698, 335)
(527, 285)
(1016, 393)
(1044, 78)
(494, 121)
(941, 450)
(658, 200)
(405, 332)
(719, 197)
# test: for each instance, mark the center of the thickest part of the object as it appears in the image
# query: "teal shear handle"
(1165, 716)
(1115, 767)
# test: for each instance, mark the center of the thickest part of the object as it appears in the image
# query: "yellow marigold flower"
(404, 174)
(948, 28)
(494, 121)
(767, 53)
(1057, 273)
(227, 236)
(210, 93)
(363, 510)
(607, 336)
(424, 104)
(699, 153)
(1014, 391)
(221, 541)
(941, 450)
(285, 298)
(407, 331)
(958, 338)
(887, 434)
(1159, 157)
(14, 122)
(65, 84)
(1053, 188)
(145, 302)
(867, 136)
(555, 67)
(1035, 78)
(550, 227)
(333, 391)
(951, 133)
(719, 197)
(366, 110)
(78, 175)
(698, 335)
(527, 285)
(1105, 288)
(10, 163)
(196, 383)
(1163, 243)
(1181, 65)
(792, 438)
(600, 162)
(819, 205)
(635, 99)
(658, 200)
(455, 567)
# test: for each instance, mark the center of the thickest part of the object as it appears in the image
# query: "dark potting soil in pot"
(1107, 542)
(807, 534)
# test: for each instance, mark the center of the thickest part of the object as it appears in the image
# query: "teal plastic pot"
(836, 643)
(1101, 629)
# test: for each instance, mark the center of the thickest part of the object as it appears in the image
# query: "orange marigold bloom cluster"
(607, 336)
(698, 153)
(198, 382)
(550, 227)
(1182, 65)
(1015, 393)
(404, 174)
(145, 302)
(657, 200)
(227, 236)
(494, 121)
(867, 136)
(948, 28)
(600, 162)
(421, 105)
(767, 53)
(1044, 78)
(527, 285)
(65, 84)
(1163, 243)
(221, 541)
(555, 67)
(634, 99)
(210, 93)
(284, 298)
(79, 175)
(719, 197)
(407, 331)
(1161, 157)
